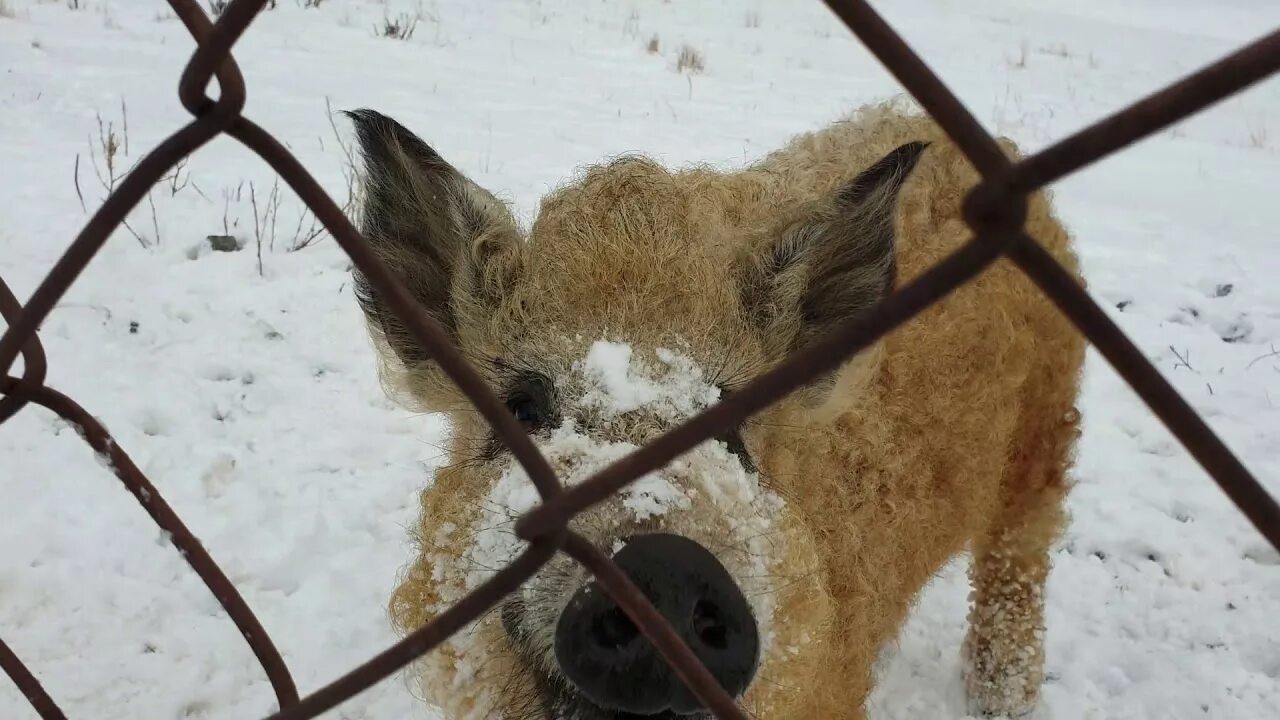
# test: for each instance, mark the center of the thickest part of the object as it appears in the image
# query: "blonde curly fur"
(955, 431)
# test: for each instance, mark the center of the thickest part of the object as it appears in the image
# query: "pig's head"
(638, 298)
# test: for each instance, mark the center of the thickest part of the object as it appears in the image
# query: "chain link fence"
(995, 210)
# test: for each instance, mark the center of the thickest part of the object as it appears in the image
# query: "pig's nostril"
(709, 625)
(613, 630)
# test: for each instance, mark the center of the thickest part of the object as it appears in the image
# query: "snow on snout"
(619, 383)
(613, 382)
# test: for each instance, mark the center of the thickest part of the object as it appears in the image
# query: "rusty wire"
(995, 210)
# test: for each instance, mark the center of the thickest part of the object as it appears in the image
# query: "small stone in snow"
(223, 243)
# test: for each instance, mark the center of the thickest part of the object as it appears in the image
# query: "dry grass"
(1020, 63)
(6, 10)
(653, 47)
(690, 60)
(1258, 134)
(1057, 50)
(107, 155)
(400, 27)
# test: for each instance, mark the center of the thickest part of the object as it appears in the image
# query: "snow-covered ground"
(246, 389)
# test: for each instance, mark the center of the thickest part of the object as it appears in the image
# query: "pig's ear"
(452, 243)
(833, 264)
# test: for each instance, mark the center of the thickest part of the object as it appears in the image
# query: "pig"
(787, 552)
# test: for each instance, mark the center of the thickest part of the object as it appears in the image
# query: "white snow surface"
(246, 390)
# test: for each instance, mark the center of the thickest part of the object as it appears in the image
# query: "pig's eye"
(530, 403)
(733, 439)
(525, 410)
(736, 446)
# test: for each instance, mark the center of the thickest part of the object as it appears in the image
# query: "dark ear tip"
(365, 115)
(369, 126)
(369, 121)
(378, 134)
(906, 156)
(893, 167)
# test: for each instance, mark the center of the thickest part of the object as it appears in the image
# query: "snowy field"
(243, 385)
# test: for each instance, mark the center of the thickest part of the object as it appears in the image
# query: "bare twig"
(1182, 359)
(124, 122)
(226, 209)
(1274, 353)
(175, 179)
(110, 145)
(76, 176)
(347, 150)
(274, 209)
(264, 222)
(314, 229)
(155, 222)
(257, 227)
(141, 240)
(199, 192)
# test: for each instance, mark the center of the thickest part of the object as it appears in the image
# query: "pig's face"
(704, 538)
